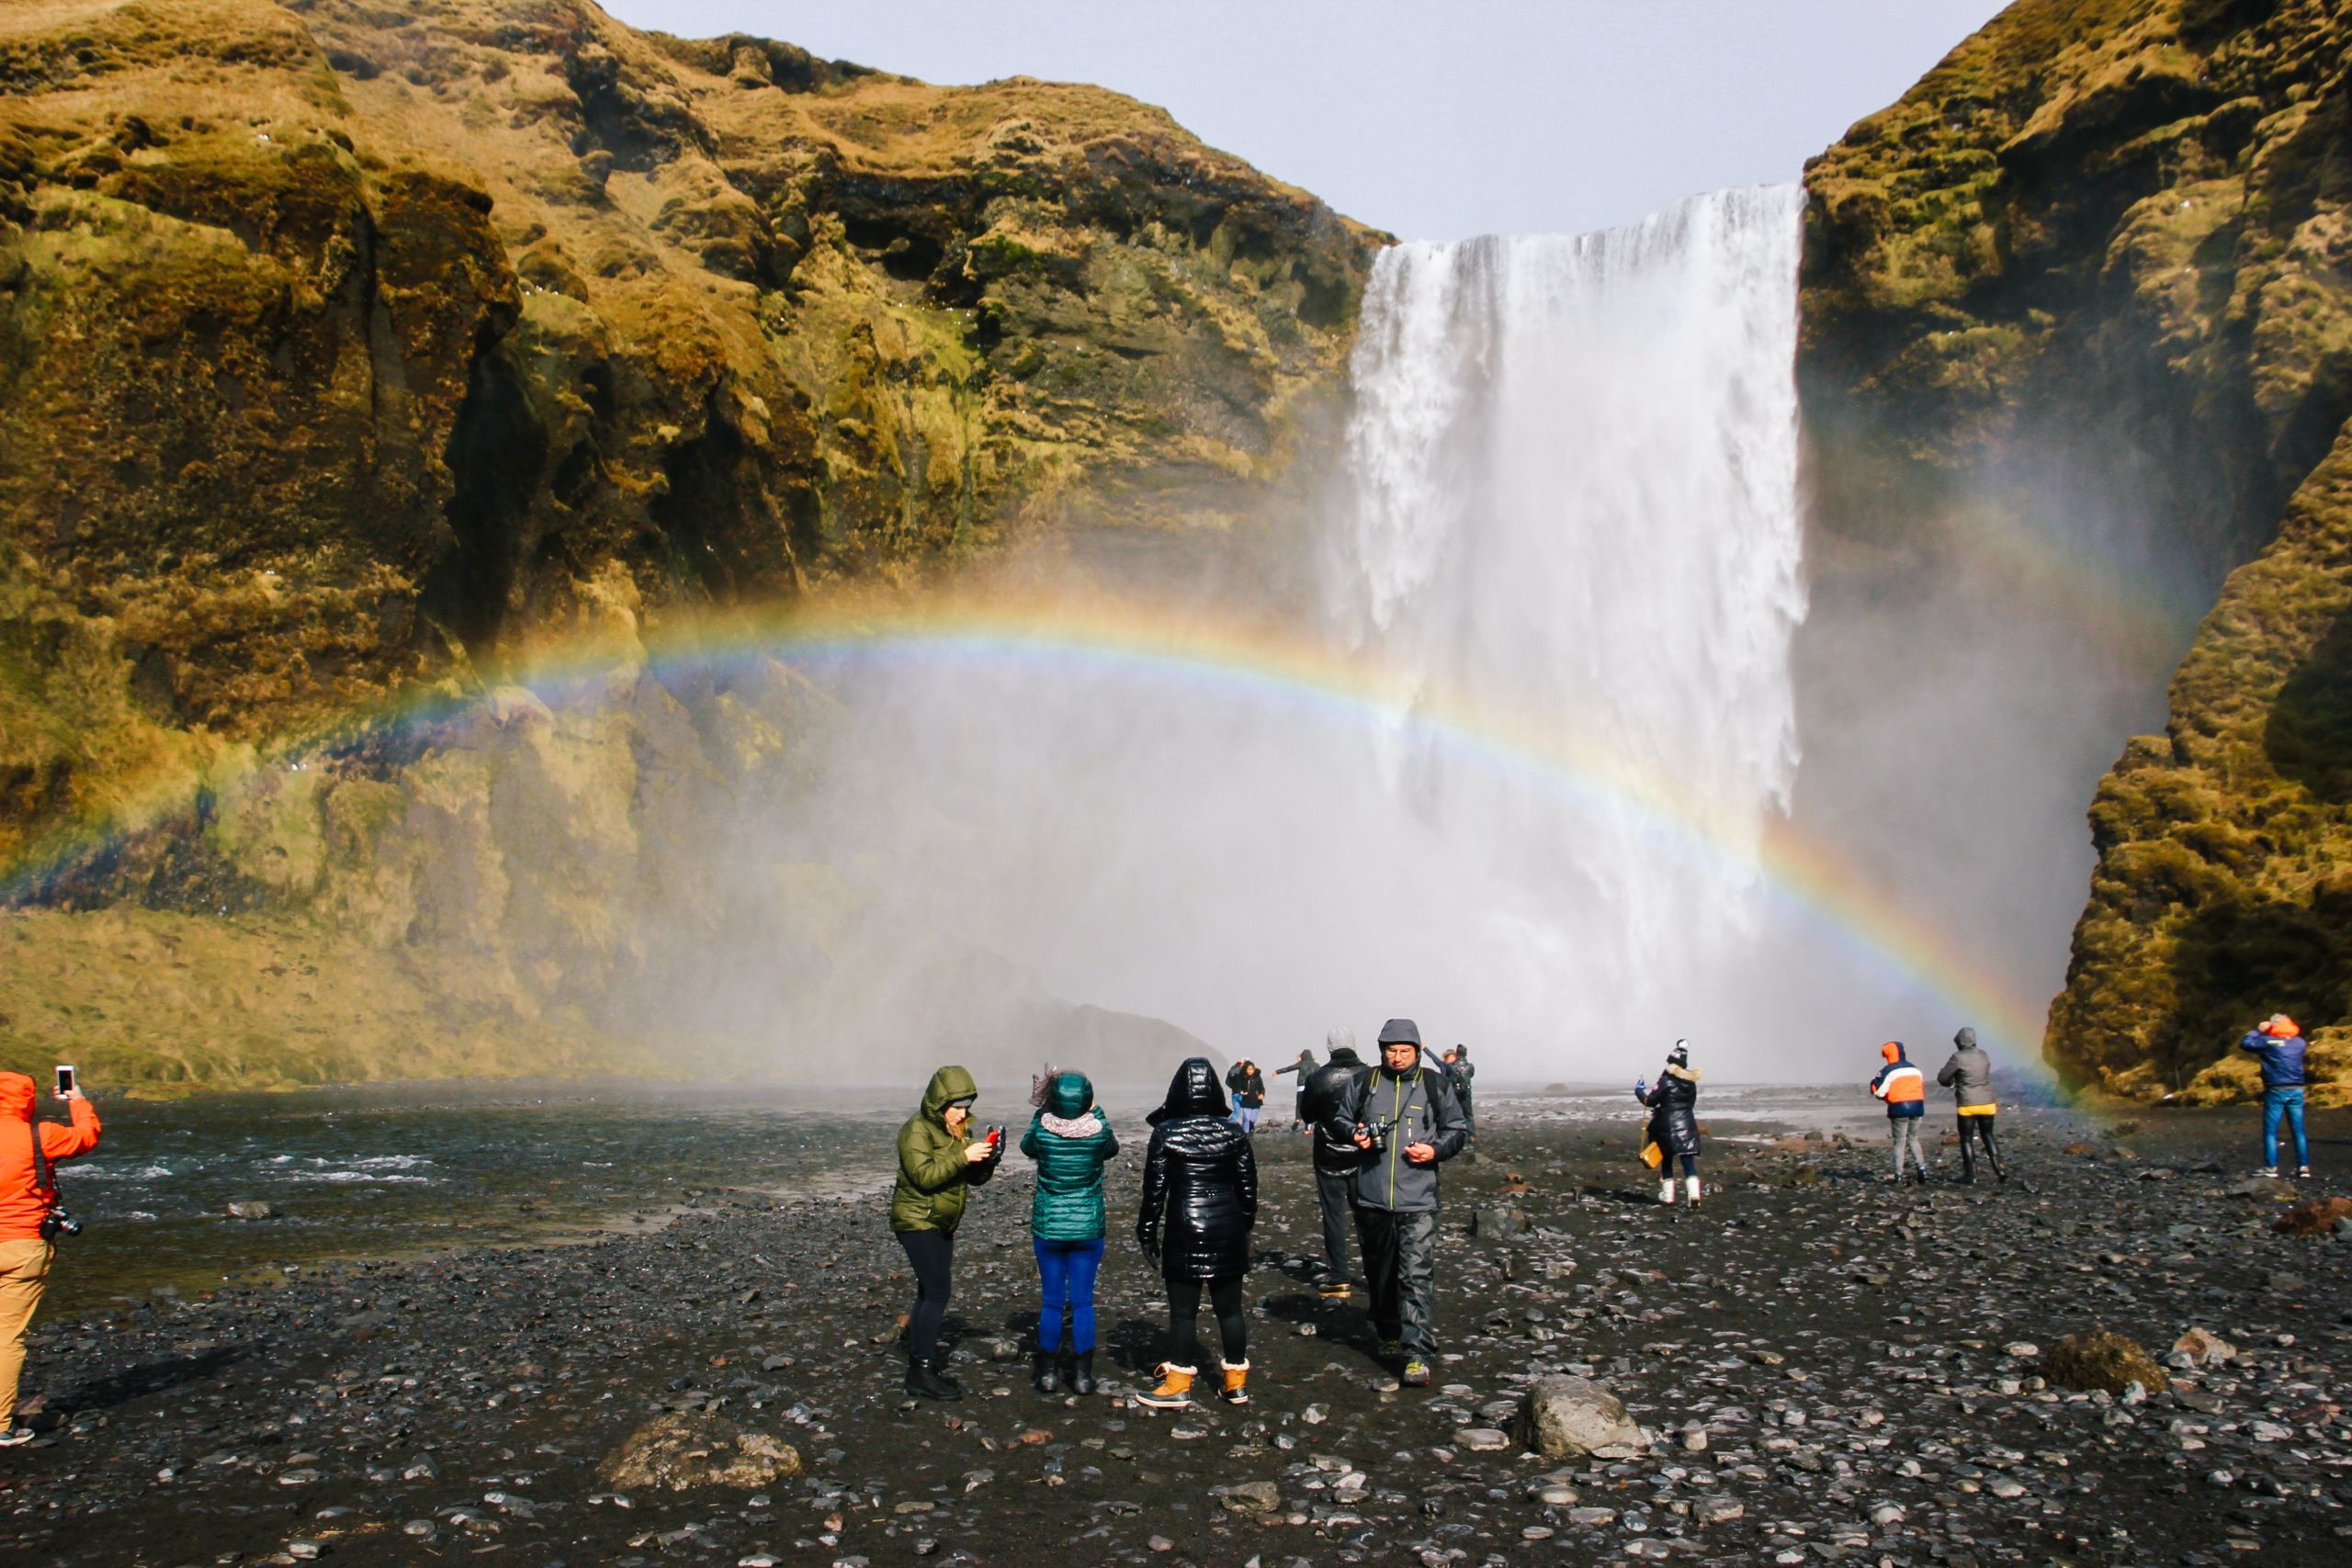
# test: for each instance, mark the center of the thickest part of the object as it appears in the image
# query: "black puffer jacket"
(1674, 1120)
(1318, 1101)
(1200, 1183)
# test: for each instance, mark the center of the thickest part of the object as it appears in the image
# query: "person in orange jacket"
(26, 1202)
(1904, 1089)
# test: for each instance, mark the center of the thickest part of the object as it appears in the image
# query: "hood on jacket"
(15, 1098)
(2280, 1027)
(1892, 1050)
(1069, 1096)
(1688, 1075)
(1345, 1057)
(1966, 1039)
(948, 1086)
(1400, 1032)
(1193, 1091)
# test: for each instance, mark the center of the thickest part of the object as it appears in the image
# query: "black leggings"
(932, 1255)
(1183, 1319)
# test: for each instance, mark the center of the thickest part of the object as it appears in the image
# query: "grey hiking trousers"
(1904, 1133)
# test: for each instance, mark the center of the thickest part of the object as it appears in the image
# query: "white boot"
(1666, 1190)
(1691, 1185)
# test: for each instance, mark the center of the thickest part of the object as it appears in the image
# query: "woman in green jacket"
(1071, 1142)
(937, 1161)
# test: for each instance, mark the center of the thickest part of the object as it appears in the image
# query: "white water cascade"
(1573, 512)
(1565, 533)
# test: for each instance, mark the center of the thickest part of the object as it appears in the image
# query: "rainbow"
(1235, 661)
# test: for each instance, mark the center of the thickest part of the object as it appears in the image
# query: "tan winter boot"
(1690, 1183)
(1236, 1382)
(1175, 1390)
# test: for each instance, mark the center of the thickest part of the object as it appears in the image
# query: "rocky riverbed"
(1826, 1368)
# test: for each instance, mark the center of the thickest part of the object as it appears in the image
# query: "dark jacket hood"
(1193, 1091)
(1345, 1057)
(1400, 1030)
(1069, 1096)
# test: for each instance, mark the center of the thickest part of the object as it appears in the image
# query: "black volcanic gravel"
(1835, 1369)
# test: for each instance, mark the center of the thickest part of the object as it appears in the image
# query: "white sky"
(1432, 120)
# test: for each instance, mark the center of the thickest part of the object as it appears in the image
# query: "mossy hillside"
(339, 343)
(350, 354)
(2110, 239)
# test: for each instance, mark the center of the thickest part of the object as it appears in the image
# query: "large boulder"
(684, 1450)
(1571, 1417)
(2317, 1217)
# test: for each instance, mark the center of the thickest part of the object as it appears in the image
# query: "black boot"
(1081, 1372)
(1044, 1375)
(925, 1380)
(1992, 1153)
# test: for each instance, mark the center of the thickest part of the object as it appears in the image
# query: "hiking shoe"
(2303, 1171)
(1175, 1390)
(1392, 1346)
(1417, 1374)
(928, 1382)
(15, 1436)
(1334, 1289)
(2269, 1172)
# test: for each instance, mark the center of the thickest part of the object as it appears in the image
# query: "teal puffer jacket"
(1071, 1143)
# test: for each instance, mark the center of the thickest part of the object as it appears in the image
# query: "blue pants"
(1248, 1116)
(1067, 1270)
(2287, 1103)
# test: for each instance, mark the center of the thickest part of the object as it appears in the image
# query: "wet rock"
(1570, 1417)
(2203, 1348)
(1248, 1496)
(2104, 1361)
(1483, 1439)
(683, 1449)
(1498, 1222)
(251, 1211)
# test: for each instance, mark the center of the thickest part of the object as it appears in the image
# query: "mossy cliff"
(2119, 229)
(349, 350)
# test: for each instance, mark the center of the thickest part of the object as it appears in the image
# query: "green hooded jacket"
(932, 1171)
(1071, 1143)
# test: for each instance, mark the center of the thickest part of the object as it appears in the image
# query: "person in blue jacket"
(1071, 1141)
(2281, 1045)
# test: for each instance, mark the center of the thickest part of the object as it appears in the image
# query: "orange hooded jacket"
(22, 1204)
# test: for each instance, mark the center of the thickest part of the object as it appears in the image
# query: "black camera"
(1379, 1132)
(58, 1223)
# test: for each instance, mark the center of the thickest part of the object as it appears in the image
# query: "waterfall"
(1564, 530)
(1571, 502)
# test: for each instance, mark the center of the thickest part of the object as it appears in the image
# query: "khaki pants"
(23, 1269)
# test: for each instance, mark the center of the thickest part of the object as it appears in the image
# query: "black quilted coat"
(1200, 1183)
(1673, 1100)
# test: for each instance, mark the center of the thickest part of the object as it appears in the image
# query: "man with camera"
(30, 1217)
(1406, 1120)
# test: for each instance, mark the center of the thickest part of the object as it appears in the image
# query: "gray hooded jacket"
(1969, 1074)
(1414, 1107)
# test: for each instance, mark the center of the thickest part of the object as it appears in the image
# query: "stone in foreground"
(2102, 1359)
(1570, 1417)
(682, 1450)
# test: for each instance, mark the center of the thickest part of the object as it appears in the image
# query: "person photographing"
(29, 1216)
(1404, 1119)
(939, 1161)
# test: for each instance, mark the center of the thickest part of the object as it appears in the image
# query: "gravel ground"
(1834, 1368)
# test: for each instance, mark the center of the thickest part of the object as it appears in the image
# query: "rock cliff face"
(2117, 231)
(347, 350)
